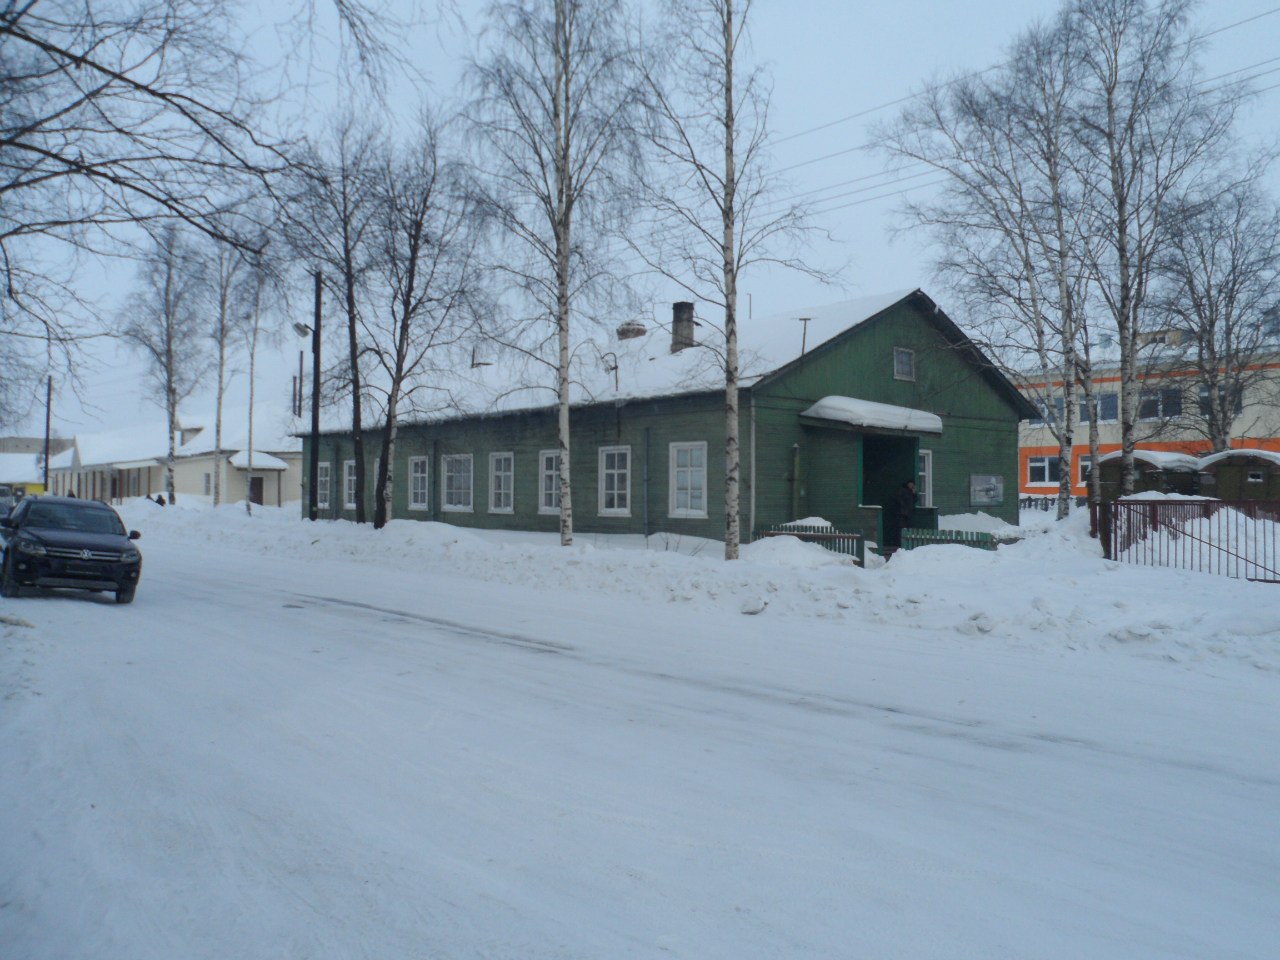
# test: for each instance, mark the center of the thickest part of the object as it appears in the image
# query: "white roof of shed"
(868, 413)
(1213, 458)
(1163, 459)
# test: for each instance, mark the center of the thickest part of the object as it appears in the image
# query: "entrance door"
(255, 490)
(887, 461)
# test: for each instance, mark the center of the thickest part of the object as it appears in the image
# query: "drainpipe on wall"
(751, 466)
(434, 491)
(795, 481)
(646, 484)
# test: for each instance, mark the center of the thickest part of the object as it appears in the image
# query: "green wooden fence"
(913, 537)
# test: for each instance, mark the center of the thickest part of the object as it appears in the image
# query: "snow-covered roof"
(146, 443)
(20, 468)
(606, 368)
(136, 442)
(64, 459)
(1161, 459)
(261, 461)
(867, 413)
(1241, 453)
(273, 430)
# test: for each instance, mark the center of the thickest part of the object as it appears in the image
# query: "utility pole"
(313, 492)
(48, 420)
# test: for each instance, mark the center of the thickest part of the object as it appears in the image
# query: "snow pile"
(1051, 590)
(975, 522)
(1220, 541)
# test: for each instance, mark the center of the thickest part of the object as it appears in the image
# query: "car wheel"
(9, 586)
(125, 594)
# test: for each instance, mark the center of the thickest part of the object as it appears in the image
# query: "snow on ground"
(323, 740)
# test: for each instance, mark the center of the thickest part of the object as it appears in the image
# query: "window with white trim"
(322, 485)
(502, 475)
(1083, 468)
(688, 480)
(924, 479)
(1042, 471)
(549, 481)
(455, 474)
(1160, 404)
(419, 492)
(349, 484)
(208, 484)
(904, 364)
(615, 482)
(1255, 476)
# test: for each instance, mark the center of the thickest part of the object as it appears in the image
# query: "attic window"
(904, 364)
(1255, 476)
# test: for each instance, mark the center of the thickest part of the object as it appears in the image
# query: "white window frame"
(419, 494)
(549, 498)
(322, 486)
(208, 484)
(445, 461)
(622, 495)
(908, 355)
(1083, 466)
(924, 478)
(349, 484)
(673, 509)
(510, 486)
(1045, 462)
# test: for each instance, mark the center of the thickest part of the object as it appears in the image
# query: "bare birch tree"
(1008, 216)
(116, 113)
(551, 117)
(1220, 273)
(707, 201)
(330, 221)
(426, 268)
(225, 267)
(165, 323)
(1152, 135)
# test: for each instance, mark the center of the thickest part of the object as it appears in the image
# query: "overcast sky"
(835, 65)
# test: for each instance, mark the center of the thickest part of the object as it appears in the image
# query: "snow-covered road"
(275, 757)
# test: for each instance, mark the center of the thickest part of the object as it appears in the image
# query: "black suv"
(65, 542)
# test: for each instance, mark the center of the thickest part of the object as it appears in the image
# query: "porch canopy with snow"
(836, 410)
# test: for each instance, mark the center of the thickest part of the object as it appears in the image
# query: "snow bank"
(1052, 589)
(975, 522)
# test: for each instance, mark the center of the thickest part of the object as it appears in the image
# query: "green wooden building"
(836, 410)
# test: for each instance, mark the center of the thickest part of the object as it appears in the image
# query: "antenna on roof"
(804, 334)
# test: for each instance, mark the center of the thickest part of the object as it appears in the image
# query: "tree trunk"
(564, 239)
(353, 352)
(732, 451)
(383, 485)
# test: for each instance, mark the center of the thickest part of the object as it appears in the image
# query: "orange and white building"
(1170, 419)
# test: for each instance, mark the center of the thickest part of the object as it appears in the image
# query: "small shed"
(1241, 475)
(1156, 471)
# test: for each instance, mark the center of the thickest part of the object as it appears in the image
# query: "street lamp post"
(313, 501)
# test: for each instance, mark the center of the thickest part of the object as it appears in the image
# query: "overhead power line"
(977, 73)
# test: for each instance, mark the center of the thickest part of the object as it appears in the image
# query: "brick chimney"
(682, 323)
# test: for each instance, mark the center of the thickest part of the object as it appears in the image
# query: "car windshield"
(66, 516)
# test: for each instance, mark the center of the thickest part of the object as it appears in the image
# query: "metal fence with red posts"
(1235, 538)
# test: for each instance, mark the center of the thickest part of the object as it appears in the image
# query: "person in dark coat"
(904, 512)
